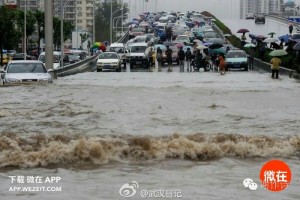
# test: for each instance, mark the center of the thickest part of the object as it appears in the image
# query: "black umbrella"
(215, 46)
(297, 47)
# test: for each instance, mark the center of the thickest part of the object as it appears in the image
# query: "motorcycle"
(203, 63)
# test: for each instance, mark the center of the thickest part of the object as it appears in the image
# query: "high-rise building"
(31, 4)
(259, 6)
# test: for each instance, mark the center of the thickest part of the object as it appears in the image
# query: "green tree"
(102, 22)
(68, 28)
(7, 22)
(40, 22)
(30, 22)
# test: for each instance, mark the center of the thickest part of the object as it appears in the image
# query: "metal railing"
(78, 67)
(88, 64)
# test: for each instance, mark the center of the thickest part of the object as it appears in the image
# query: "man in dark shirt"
(169, 53)
(181, 56)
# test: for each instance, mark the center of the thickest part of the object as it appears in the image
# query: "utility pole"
(25, 32)
(49, 35)
(111, 5)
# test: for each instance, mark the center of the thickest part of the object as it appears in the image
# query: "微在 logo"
(129, 189)
(275, 175)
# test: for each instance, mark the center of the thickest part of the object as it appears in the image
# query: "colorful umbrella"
(243, 30)
(279, 52)
(249, 45)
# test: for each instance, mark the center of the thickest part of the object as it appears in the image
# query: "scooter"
(203, 63)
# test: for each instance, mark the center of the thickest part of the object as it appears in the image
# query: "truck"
(137, 57)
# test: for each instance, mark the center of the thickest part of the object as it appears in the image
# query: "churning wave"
(61, 150)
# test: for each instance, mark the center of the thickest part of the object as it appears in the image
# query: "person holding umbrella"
(275, 63)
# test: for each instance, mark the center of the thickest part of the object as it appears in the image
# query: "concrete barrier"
(259, 64)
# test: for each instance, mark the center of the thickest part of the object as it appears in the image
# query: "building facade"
(259, 6)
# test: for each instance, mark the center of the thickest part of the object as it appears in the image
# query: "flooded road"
(201, 133)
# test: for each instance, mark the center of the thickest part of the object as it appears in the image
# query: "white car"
(109, 61)
(183, 39)
(119, 48)
(56, 58)
(25, 71)
(250, 16)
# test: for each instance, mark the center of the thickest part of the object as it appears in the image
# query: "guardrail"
(283, 20)
(267, 67)
(78, 67)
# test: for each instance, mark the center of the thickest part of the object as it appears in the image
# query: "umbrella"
(249, 45)
(200, 47)
(297, 47)
(284, 37)
(243, 30)
(227, 35)
(162, 47)
(215, 46)
(103, 48)
(261, 37)
(252, 36)
(178, 45)
(169, 44)
(271, 33)
(279, 52)
(270, 40)
(207, 43)
(219, 51)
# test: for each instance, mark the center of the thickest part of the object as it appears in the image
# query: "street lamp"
(115, 23)
(62, 6)
(111, 20)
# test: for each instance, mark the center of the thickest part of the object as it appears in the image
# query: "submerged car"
(109, 61)
(236, 59)
(25, 71)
